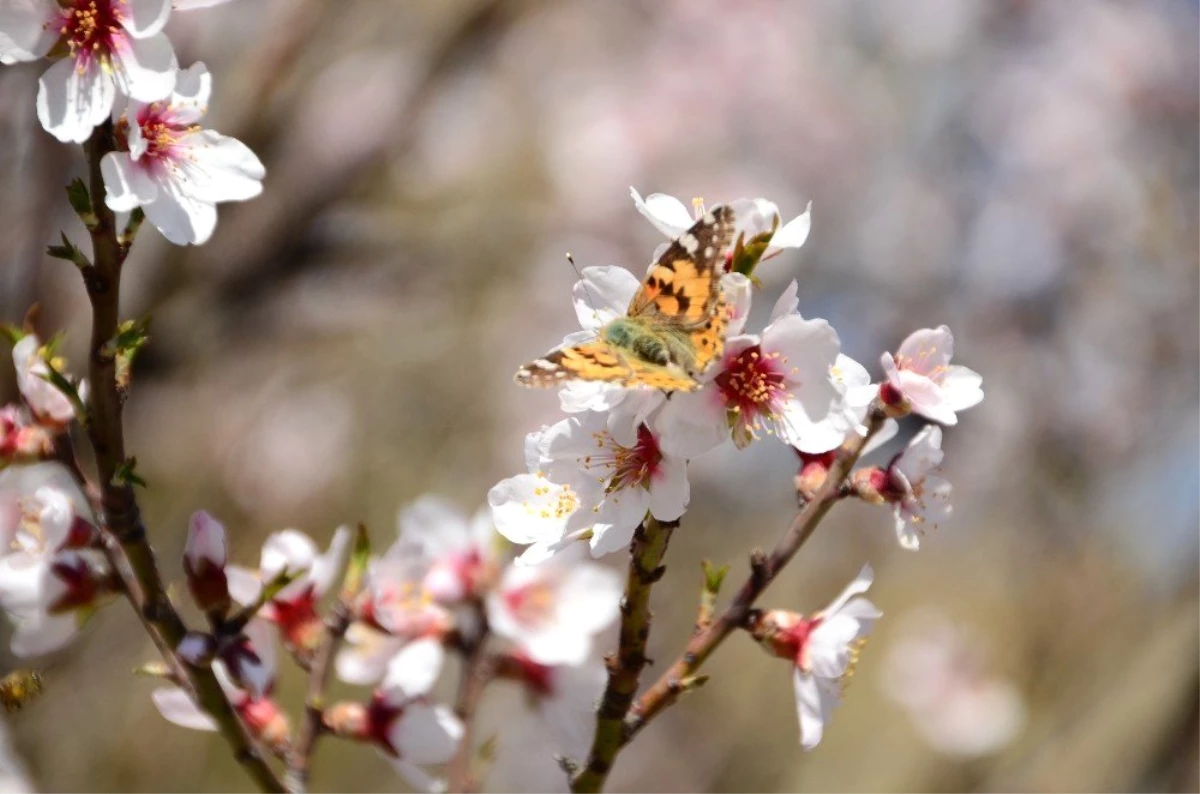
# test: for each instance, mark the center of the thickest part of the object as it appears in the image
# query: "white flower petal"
(602, 295)
(416, 667)
(24, 34)
(176, 706)
(182, 219)
(70, 103)
(426, 734)
(146, 67)
(808, 708)
(667, 213)
(794, 233)
(788, 303)
(529, 508)
(860, 585)
(221, 169)
(126, 185)
(670, 491)
(144, 18)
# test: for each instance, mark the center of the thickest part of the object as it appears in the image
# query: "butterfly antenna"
(583, 281)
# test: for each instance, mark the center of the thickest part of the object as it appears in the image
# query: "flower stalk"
(135, 560)
(625, 667)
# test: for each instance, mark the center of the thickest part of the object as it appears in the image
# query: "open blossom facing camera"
(175, 170)
(823, 649)
(584, 484)
(779, 383)
(109, 46)
(920, 377)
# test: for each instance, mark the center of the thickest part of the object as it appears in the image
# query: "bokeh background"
(1025, 172)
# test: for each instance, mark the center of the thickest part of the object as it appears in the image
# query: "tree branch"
(479, 668)
(666, 689)
(625, 667)
(134, 559)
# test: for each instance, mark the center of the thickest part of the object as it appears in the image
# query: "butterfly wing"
(597, 360)
(682, 291)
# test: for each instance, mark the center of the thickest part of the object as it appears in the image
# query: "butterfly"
(674, 328)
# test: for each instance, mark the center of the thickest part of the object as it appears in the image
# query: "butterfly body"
(674, 328)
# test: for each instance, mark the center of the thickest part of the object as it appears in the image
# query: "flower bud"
(204, 557)
(871, 484)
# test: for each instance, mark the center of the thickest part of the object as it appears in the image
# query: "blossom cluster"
(448, 583)
(112, 60)
(621, 453)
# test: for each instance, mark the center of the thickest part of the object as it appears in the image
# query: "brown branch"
(299, 760)
(664, 691)
(625, 667)
(132, 557)
(681, 675)
(478, 670)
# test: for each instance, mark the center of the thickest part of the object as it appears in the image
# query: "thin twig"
(663, 693)
(625, 667)
(478, 670)
(681, 675)
(133, 558)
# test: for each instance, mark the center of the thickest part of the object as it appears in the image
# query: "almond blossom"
(779, 384)
(461, 557)
(176, 170)
(110, 46)
(553, 610)
(584, 484)
(293, 608)
(920, 377)
(919, 498)
(406, 728)
(823, 650)
(204, 558)
(44, 399)
(51, 580)
(399, 626)
(754, 216)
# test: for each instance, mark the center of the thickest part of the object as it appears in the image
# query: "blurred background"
(1025, 172)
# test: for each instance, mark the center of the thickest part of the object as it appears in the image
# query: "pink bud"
(204, 557)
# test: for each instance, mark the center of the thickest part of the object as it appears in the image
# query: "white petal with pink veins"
(146, 68)
(71, 103)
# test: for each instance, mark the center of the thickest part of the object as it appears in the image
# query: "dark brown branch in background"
(764, 569)
(625, 667)
(478, 670)
(311, 727)
(134, 560)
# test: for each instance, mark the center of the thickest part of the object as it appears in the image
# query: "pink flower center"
(752, 383)
(163, 134)
(531, 605)
(627, 466)
(91, 28)
(795, 640)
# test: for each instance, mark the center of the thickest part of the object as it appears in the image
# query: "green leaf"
(69, 252)
(81, 202)
(747, 254)
(713, 577)
(126, 474)
(125, 238)
(131, 337)
(60, 382)
(12, 333)
(356, 569)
